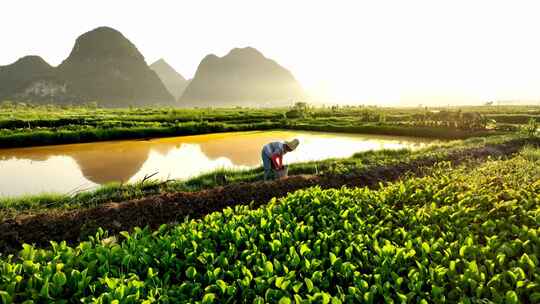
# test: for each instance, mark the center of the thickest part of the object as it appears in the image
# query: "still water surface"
(78, 167)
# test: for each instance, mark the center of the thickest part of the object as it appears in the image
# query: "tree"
(299, 110)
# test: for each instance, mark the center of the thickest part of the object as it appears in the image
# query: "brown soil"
(167, 208)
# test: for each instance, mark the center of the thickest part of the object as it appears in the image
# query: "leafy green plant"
(531, 128)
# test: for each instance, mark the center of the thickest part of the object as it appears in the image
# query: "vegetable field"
(467, 234)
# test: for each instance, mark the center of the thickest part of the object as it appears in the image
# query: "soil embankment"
(167, 208)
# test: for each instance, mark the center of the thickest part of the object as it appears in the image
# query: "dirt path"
(167, 208)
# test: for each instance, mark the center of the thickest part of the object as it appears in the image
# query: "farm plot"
(464, 234)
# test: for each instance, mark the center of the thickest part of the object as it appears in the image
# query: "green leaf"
(44, 292)
(463, 250)
(425, 247)
(368, 297)
(297, 286)
(217, 271)
(333, 258)
(336, 300)
(511, 297)
(325, 298)
(388, 249)
(209, 298)
(279, 281)
(402, 297)
(150, 272)
(295, 260)
(304, 249)
(364, 285)
(452, 266)
(222, 285)
(247, 273)
(126, 259)
(268, 267)
(258, 300)
(6, 298)
(284, 300)
(473, 267)
(59, 279)
(436, 291)
(191, 272)
(525, 260)
(309, 284)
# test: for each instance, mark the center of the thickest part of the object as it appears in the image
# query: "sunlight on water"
(184, 162)
(78, 167)
(55, 174)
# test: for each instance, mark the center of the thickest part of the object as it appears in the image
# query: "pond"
(79, 167)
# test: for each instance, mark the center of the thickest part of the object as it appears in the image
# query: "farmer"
(272, 155)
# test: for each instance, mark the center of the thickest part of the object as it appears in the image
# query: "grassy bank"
(116, 192)
(38, 137)
(90, 134)
(395, 129)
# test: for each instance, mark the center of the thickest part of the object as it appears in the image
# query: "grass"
(395, 129)
(90, 134)
(40, 137)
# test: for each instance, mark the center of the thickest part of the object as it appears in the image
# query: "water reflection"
(99, 163)
(68, 168)
(186, 160)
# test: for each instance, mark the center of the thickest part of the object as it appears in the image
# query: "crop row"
(458, 235)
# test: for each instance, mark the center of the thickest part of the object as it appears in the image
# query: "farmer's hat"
(292, 144)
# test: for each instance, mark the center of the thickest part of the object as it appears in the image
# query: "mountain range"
(105, 67)
(243, 77)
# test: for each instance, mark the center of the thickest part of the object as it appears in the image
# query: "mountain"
(105, 66)
(173, 81)
(243, 77)
(16, 78)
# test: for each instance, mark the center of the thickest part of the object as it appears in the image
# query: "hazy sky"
(406, 52)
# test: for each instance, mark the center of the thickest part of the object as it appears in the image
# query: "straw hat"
(292, 144)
